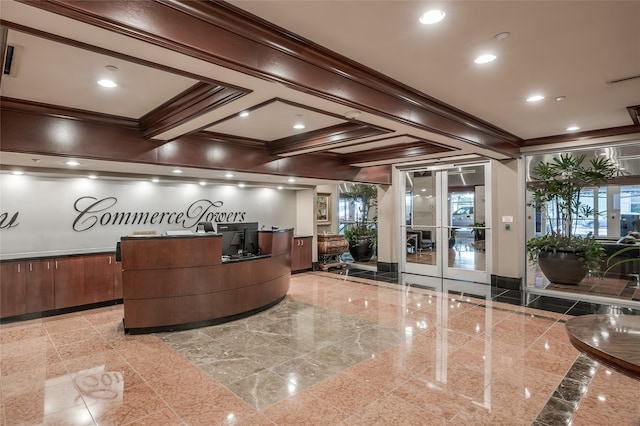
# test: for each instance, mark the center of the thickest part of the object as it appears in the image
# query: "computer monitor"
(233, 238)
(250, 241)
(205, 227)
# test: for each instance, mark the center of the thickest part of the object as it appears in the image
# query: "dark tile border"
(564, 402)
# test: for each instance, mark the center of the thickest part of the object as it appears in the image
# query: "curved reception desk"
(177, 282)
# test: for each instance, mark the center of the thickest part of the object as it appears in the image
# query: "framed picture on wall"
(323, 209)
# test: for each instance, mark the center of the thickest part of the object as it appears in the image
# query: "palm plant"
(556, 189)
(368, 196)
(362, 235)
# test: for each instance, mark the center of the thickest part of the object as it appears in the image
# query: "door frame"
(441, 270)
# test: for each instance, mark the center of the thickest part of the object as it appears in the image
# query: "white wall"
(305, 220)
(43, 216)
(331, 228)
(508, 200)
(390, 215)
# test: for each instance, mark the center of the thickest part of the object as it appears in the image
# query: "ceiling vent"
(620, 80)
(12, 60)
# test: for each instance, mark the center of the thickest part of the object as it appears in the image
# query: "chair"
(419, 239)
(427, 242)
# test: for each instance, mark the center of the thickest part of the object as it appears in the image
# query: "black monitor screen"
(239, 238)
(205, 227)
(250, 241)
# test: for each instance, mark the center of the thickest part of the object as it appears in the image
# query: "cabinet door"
(69, 282)
(13, 297)
(117, 280)
(98, 278)
(306, 253)
(39, 283)
(301, 254)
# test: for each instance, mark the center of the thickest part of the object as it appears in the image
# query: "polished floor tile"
(352, 348)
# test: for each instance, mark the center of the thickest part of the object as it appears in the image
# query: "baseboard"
(387, 267)
(507, 283)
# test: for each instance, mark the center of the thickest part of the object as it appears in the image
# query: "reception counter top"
(182, 281)
(613, 340)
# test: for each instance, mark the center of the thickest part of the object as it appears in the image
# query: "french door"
(446, 232)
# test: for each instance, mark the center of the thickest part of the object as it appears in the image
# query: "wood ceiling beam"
(323, 138)
(406, 151)
(578, 136)
(634, 112)
(39, 130)
(193, 102)
(223, 34)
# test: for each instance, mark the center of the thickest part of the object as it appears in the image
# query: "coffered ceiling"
(371, 85)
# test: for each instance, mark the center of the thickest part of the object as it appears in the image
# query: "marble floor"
(340, 349)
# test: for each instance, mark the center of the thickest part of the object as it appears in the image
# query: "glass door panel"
(445, 223)
(421, 212)
(586, 222)
(466, 223)
(629, 209)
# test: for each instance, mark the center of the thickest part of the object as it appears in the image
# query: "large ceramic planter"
(562, 267)
(361, 249)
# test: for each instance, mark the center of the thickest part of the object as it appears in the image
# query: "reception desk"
(173, 282)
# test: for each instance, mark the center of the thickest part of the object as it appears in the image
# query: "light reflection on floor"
(339, 350)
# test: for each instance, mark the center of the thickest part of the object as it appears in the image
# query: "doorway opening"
(445, 233)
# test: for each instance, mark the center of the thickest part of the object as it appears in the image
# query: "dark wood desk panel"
(202, 308)
(150, 283)
(191, 290)
(170, 252)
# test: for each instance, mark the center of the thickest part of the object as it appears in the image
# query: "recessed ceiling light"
(241, 185)
(432, 17)
(572, 128)
(228, 175)
(71, 163)
(176, 171)
(298, 124)
(92, 177)
(244, 114)
(560, 98)
(202, 183)
(155, 180)
(107, 83)
(353, 114)
(279, 187)
(17, 172)
(291, 180)
(502, 35)
(535, 98)
(484, 59)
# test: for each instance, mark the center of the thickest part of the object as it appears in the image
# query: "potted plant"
(362, 235)
(452, 237)
(478, 231)
(564, 257)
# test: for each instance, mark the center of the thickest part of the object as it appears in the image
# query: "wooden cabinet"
(302, 253)
(13, 290)
(82, 280)
(69, 282)
(40, 285)
(98, 278)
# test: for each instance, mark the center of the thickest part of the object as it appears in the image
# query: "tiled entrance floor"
(339, 350)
